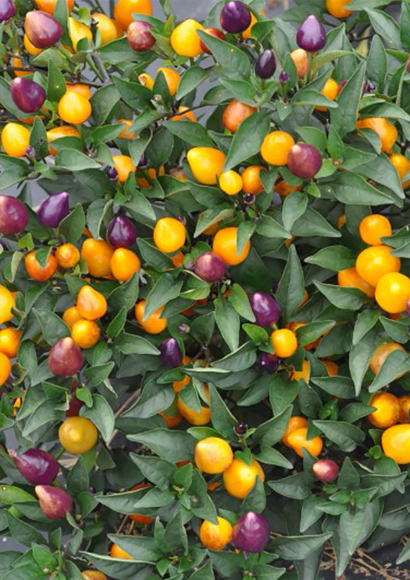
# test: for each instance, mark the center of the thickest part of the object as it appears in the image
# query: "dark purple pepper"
(121, 232)
(304, 160)
(27, 95)
(248, 198)
(283, 77)
(268, 362)
(13, 215)
(42, 29)
(143, 162)
(210, 267)
(54, 209)
(65, 358)
(235, 17)
(265, 65)
(241, 429)
(139, 36)
(37, 466)
(311, 35)
(7, 10)
(325, 470)
(74, 407)
(251, 532)
(265, 308)
(112, 174)
(54, 502)
(171, 354)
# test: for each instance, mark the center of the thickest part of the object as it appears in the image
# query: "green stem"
(93, 67)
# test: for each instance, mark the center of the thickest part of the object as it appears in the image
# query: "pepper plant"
(203, 313)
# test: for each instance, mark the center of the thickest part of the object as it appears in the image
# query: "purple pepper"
(304, 160)
(37, 466)
(121, 232)
(27, 95)
(65, 358)
(325, 470)
(265, 308)
(265, 64)
(139, 36)
(210, 267)
(7, 10)
(251, 532)
(283, 77)
(235, 17)
(74, 407)
(311, 35)
(54, 209)
(112, 174)
(268, 362)
(54, 502)
(171, 355)
(42, 29)
(13, 215)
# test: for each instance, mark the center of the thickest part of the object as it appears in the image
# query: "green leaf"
(24, 533)
(343, 119)
(360, 356)
(397, 363)
(341, 297)
(346, 436)
(290, 289)
(10, 494)
(247, 140)
(294, 206)
(156, 470)
(55, 83)
(333, 258)
(69, 158)
(309, 96)
(52, 326)
(228, 322)
(171, 445)
(133, 344)
(190, 80)
(240, 301)
(96, 212)
(175, 535)
(312, 224)
(154, 398)
(125, 295)
(297, 547)
(165, 289)
(12, 171)
(296, 486)
(101, 415)
(233, 60)
(271, 431)
(221, 417)
(313, 330)
(135, 95)
(72, 226)
(365, 321)
(386, 26)
(190, 131)
(327, 56)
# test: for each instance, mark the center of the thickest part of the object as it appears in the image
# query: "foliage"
(298, 242)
